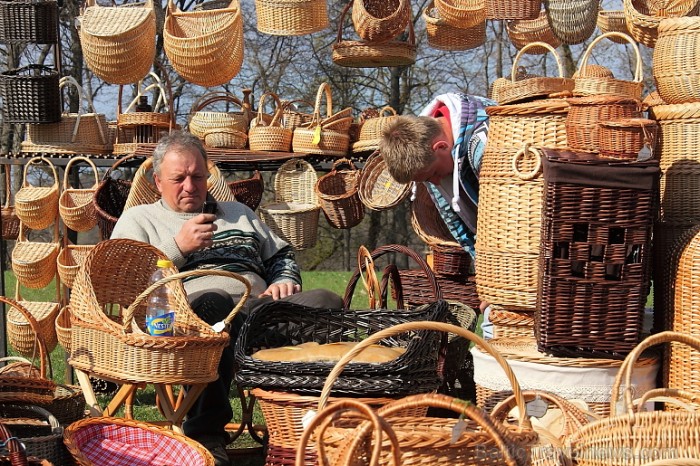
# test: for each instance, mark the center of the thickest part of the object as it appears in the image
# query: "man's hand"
(281, 290)
(196, 234)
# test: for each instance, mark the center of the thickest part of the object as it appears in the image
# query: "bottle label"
(161, 325)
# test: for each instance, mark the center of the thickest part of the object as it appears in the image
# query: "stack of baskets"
(643, 17)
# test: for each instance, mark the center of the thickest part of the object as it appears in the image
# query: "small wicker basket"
(249, 191)
(643, 17)
(270, 136)
(572, 21)
(379, 190)
(110, 197)
(675, 60)
(380, 20)
(337, 194)
(201, 121)
(524, 31)
(316, 137)
(585, 114)
(625, 138)
(37, 206)
(291, 17)
(34, 262)
(462, 13)
(443, 36)
(75, 204)
(69, 261)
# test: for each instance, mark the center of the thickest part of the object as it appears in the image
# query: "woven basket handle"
(323, 89)
(369, 277)
(129, 313)
(44, 362)
(340, 162)
(66, 178)
(36, 161)
(276, 114)
(387, 110)
(524, 422)
(625, 372)
(380, 251)
(329, 415)
(85, 104)
(8, 187)
(521, 52)
(391, 272)
(117, 163)
(165, 93)
(620, 35)
(520, 155)
(212, 97)
(676, 397)
(16, 450)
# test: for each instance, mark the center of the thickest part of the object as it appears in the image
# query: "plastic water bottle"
(160, 316)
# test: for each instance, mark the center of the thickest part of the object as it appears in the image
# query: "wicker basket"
(69, 260)
(337, 194)
(110, 197)
(612, 21)
(512, 9)
(34, 262)
(316, 137)
(17, 454)
(449, 259)
(366, 54)
(272, 136)
(627, 138)
(511, 324)
(443, 36)
(98, 440)
(68, 404)
(75, 204)
(37, 206)
(372, 128)
(675, 65)
(76, 133)
(30, 94)
(655, 432)
(63, 328)
(378, 190)
(294, 214)
(291, 17)
(643, 17)
(462, 13)
(118, 42)
(426, 219)
(587, 85)
(249, 191)
(10, 220)
(293, 117)
(205, 47)
(572, 21)
(201, 121)
(585, 114)
(39, 431)
(596, 254)
(29, 21)
(536, 87)
(22, 335)
(113, 346)
(525, 31)
(380, 20)
(25, 385)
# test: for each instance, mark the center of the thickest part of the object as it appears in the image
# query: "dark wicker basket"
(30, 95)
(38, 430)
(280, 324)
(110, 198)
(451, 260)
(337, 193)
(248, 191)
(453, 288)
(596, 254)
(32, 21)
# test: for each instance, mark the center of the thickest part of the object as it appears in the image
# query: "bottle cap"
(164, 263)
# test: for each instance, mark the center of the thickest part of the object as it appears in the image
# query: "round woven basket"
(612, 21)
(75, 204)
(249, 191)
(201, 120)
(512, 9)
(443, 36)
(676, 60)
(380, 20)
(337, 194)
(644, 16)
(572, 21)
(426, 219)
(37, 206)
(378, 190)
(226, 138)
(26, 336)
(291, 17)
(624, 138)
(524, 31)
(270, 136)
(585, 114)
(462, 13)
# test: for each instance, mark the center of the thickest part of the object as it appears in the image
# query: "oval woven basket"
(110, 197)
(524, 31)
(291, 17)
(513, 9)
(379, 190)
(270, 136)
(337, 194)
(118, 43)
(316, 137)
(444, 36)
(644, 16)
(612, 21)
(462, 13)
(37, 206)
(426, 220)
(585, 113)
(624, 138)
(201, 120)
(677, 60)
(380, 20)
(205, 47)
(38, 430)
(75, 204)
(572, 21)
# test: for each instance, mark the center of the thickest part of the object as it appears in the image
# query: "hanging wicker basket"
(612, 21)
(291, 17)
(37, 206)
(69, 260)
(205, 47)
(444, 36)
(30, 94)
(379, 190)
(63, 328)
(118, 42)
(317, 137)
(33, 262)
(572, 21)
(10, 220)
(525, 31)
(380, 20)
(513, 9)
(75, 204)
(110, 197)
(462, 13)
(337, 194)
(676, 60)
(249, 191)
(644, 16)
(372, 128)
(270, 136)
(29, 21)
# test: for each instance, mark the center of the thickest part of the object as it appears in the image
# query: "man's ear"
(156, 180)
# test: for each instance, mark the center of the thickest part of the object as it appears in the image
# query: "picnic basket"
(30, 94)
(444, 36)
(75, 133)
(75, 204)
(534, 87)
(37, 206)
(572, 21)
(525, 31)
(643, 17)
(462, 13)
(201, 121)
(627, 138)
(34, 262)
(586, 113)
(38, 429)
(118, 42)
(205, 46)
(10, 220)
(586, 84)
(22, 335)
(95, 440)
(654, 431)
(249, 191)
(291, 17)
(366, 54)
(378, 190)
(380, 20)
(29, 21)
(294, 214)
(110, 197)
(269, 136)
(675, 61)
(337, 195)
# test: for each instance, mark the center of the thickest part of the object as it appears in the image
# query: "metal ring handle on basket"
(80, 158)
(638, 68)
(521, 52)
(129, 313)
(673, 396)
(84, 99)
(523, 421)
(325, 418)
(531, 175)
(627, 367)
(276, 116)
(34, 161)
(44, 361)
(380, 251)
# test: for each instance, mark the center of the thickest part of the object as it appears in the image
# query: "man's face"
(183, 179)
(442, 164)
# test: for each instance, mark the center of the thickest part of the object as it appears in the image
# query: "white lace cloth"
(590, 384)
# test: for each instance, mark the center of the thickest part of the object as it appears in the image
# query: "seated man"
(230, 238)
(443, 148)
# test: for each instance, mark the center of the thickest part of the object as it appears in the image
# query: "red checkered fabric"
(113, 445)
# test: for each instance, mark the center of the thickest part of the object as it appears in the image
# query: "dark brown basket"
(30, 95)
(596, 254)
(451, 260)
(249, 191)
(110, 197)
(337, 193)
(30, 21)
(38, 430)
(452, 288)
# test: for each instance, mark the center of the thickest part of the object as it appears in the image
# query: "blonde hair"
(406, 145)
